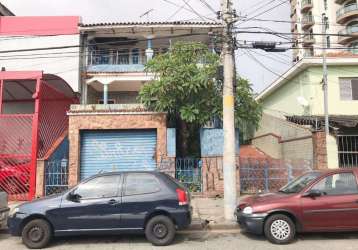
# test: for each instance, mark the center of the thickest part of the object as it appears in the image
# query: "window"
(141, 184)
(123, 56)
(348, 88)
(100, 187)
(328, 42)
(135, 56)
(337, 184)
(325, 4)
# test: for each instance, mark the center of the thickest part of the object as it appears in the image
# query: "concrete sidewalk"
(208, 214)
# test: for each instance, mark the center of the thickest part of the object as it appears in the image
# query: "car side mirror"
(74, 197)
(312, 193)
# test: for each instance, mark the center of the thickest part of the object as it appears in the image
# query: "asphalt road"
(198, 240)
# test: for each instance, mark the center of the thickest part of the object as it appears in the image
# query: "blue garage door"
(120, 150)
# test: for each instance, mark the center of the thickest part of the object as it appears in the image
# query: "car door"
(142, 193)
(336, 208)
(98, 206)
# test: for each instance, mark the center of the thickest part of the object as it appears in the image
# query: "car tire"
(36, 234)
(160, 230)
(279, 229)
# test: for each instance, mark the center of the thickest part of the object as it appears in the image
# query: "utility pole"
(325, 78)
(229, 164)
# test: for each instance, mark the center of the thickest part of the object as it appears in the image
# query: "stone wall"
(103, 121)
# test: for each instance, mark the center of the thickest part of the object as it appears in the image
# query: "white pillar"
(105, 94)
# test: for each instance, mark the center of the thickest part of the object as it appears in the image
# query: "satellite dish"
(302, 101)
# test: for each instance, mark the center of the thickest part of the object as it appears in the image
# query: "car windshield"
(299, 183)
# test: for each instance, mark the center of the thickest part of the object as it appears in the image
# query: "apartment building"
(306, 17)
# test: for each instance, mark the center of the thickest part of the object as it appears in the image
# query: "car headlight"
(247, 210)
(13, 211)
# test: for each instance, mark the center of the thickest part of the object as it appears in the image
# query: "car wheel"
(279, 229)
(36, 234)
(160, 230)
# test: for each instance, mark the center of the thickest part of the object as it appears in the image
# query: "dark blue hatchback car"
(152, 203)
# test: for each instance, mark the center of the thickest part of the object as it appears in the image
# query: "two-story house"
(292, 126)
(110, 130)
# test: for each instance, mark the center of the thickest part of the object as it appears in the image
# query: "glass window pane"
(344, 183)
(100, 187)
(141, 183)
(135, 56)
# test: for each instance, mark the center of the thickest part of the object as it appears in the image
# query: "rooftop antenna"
(147, 13)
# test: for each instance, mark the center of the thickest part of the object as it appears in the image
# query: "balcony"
(347, 13)
(347, 35)
(119, 61)
(307, 21)
(309, 39)
(306, 5)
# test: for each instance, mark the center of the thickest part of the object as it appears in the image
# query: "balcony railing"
(308, 38)
(346, 9)
(115, 61)
(349, 30)
(306, 4)
(347, 34)
(307, 20)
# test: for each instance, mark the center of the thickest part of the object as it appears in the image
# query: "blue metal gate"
(189, 172)
(119, 150)
(56, 176)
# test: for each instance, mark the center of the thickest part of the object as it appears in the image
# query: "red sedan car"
(318, 201)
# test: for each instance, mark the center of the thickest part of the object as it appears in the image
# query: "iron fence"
(189, 172)
(56, 176)
(268, 175)
(347, 150)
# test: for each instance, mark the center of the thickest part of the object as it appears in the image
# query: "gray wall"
(281, 139)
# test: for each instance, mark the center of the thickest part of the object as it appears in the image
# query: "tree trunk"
(183, 135)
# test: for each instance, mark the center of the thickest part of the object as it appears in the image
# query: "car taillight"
(182, 197)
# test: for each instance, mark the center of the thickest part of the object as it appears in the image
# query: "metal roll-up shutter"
(119, 150)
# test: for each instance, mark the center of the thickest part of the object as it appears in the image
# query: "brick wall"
(319, 150)
(95, 121)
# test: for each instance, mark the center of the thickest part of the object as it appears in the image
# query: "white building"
(306, 17)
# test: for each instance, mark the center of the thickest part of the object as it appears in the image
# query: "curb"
(206, 225)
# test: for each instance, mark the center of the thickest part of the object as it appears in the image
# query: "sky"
(259, 67)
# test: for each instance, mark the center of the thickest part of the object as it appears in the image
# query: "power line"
(261, 5)
(178, 10)
(286, 21)
(193, 10)
(187, 9)
(103, 43)
(208, 6)
(264, 12)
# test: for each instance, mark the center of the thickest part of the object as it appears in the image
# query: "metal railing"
(305, 3)
(348, 30)
(114, 57)
(347, 150)
(307, 19)
(56, 176)
(346, 9)
(308, 37)
(189, 172)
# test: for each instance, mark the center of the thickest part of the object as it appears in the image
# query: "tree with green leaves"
(185, 86)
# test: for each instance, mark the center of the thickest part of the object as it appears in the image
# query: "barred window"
(348, 88)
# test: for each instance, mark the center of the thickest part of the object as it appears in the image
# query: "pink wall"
(39, 25)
